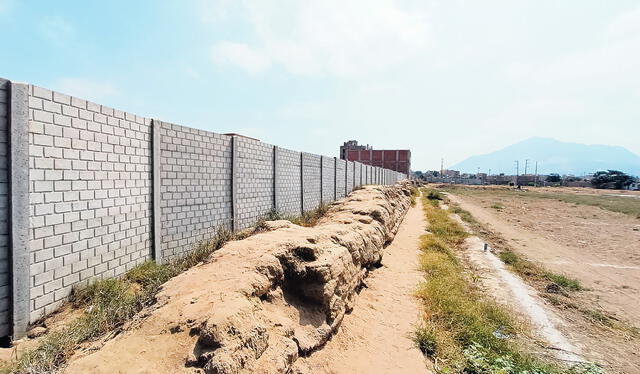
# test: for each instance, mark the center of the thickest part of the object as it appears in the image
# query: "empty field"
(582, 235)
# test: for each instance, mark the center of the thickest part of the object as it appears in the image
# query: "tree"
(614, 179)
(554, 178)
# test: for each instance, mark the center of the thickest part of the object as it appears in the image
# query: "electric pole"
(517, 170)
(442, 167)
(526, 165)
(535, 180)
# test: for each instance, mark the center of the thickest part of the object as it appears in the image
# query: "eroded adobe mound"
(259, 303)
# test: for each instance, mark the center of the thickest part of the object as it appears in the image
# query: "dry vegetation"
(464, 331)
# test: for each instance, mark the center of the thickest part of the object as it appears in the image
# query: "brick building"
(394, 159)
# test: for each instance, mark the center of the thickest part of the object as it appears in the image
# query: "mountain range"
(553, 156)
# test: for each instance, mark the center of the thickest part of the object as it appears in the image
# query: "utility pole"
(441, 167)
(526, 165)
(517, 170)
(535, 180)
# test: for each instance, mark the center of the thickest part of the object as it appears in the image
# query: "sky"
(447, 79)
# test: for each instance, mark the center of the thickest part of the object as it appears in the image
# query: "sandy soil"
(256, 304)
(598, 247)
(376, 336)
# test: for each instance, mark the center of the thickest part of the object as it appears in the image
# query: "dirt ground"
(376, 336)
(598, 247)
(258, 304)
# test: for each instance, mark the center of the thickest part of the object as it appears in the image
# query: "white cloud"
(85, 88)
(241, 55)
(344, 38)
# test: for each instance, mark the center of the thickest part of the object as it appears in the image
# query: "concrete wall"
(289, 186)
(195, 191)
(311, 181)
(89, 194)
(5, 265)
(101, 191)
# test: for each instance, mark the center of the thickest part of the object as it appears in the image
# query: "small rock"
(36, 332)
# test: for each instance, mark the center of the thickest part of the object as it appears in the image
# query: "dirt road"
(376, 336)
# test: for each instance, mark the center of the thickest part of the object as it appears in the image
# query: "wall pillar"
(157, 193)
(19, 208)
(335, 178)
(301, 182)
(276, 198)
(321, 177)
(234, 182)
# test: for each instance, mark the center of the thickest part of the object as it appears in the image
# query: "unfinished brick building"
(393, 159)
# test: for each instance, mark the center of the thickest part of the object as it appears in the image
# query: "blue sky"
(444, 78)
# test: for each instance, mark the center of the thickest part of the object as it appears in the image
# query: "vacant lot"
(578, 232)
(592, 236)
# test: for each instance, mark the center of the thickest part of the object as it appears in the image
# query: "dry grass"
(108, 304)
(626, 205)
(463, 331)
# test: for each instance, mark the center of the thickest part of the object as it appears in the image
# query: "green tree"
(554, 178)
(614, 179)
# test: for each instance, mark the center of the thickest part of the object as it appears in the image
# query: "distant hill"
(554, 157)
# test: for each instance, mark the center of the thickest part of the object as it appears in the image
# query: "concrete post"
(275, 179)
(335, 178)
(234, 182)
(321, 174)
(302, 182)
(157, 193)
(19, 207)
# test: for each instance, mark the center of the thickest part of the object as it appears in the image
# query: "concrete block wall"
(195, 186)
(349, 169)
(255, 181)
(312, 183)
(5, 259)
(288, 185)
(341, 166)
(89, 192)
(328, 181)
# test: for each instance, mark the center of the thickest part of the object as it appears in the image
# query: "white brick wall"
(90, 194)
(328, 179)
(195, 172)
(289, 182)
(340, 178)
(255, 181)
(311, 181)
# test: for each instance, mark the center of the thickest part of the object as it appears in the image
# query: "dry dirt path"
(376, 336)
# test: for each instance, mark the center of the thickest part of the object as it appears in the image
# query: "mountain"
(553, 156)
